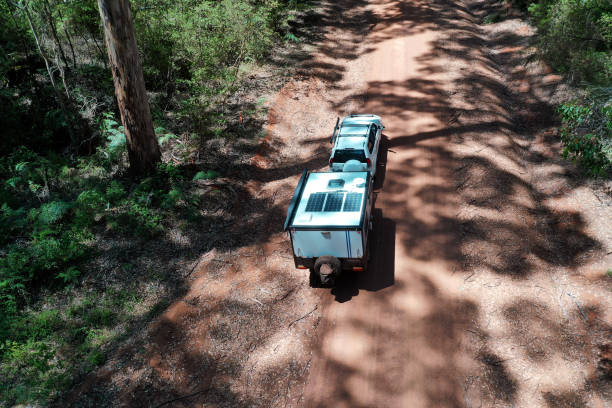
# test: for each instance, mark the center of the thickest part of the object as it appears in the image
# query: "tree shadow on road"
(380, 273)
(475, 200)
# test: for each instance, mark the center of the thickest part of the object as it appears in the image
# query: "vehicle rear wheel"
(327, 269)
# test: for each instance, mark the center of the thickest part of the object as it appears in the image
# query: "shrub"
(205, 175)
(115, 192)
(585, 133)
(139, 219)
(577, 37)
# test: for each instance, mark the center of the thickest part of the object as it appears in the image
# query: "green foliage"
(585, 131)
(196, 47)
(47, 244)
(114, 148)
(70, 275)
(49, 213)
(202, 45)
(50, 210)
(292, 37)
(492, 18)
(41, 347)
(164, 136)
(206, 44)
(139, 219)
(100, 317)
(577, 37)
(96, 357)
(205, 175)
(115, 192)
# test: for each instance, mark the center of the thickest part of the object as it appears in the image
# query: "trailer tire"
(314, 280)
(328, 275)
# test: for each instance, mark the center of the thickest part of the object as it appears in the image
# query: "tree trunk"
(74, 61)
(92, 54)
(93, 39)
(60, 98)
(47, 12)
(143, 149)
(67, 33)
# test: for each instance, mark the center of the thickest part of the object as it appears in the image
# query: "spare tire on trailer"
(327, 269)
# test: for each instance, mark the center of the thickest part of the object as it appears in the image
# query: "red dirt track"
(481, 246)
(487, 286)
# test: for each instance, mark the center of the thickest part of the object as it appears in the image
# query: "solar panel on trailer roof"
(334, 202)
(315, 202)
(352, 202)
(325, 201)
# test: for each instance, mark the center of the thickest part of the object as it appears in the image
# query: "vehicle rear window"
(342, 156)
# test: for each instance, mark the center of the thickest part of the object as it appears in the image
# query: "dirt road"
(488, 281)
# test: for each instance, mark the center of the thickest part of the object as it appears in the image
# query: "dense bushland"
(576, 39)
(586, 133)
(63, 180)
(53, 212)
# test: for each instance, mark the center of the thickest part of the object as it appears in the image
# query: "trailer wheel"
(327, 269)
(313, 279)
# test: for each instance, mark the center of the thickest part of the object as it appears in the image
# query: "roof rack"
(336, 128)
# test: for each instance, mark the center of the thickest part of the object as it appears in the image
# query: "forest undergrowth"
(79, 234)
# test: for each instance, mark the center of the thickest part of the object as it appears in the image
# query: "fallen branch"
(290, 291)
(180, 398)
(201, 260)
(303, 317)
(305, 367)
(467, 279)
(579, 308)
(462, 183)
(193, 268)
(454, 117)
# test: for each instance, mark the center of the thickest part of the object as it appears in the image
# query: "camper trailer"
(329, 224)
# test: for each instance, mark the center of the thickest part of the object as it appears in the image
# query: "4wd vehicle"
(356, 142)
(329, 224)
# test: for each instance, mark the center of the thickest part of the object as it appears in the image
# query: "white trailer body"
(329, 217)
(340, 244)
